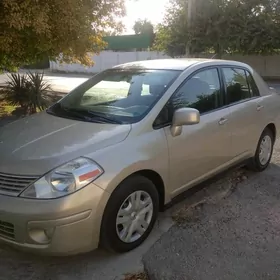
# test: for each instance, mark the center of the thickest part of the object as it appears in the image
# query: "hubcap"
(134, 216)
(265, 150)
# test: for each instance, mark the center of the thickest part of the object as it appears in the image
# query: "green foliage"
(27, 91)
(31, 30)
(37, 89)
(261, 33)
(236, 26)
(171, 34)
(143, 27)
(221, 26)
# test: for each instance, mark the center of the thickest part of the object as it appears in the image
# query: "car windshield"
(115, 96)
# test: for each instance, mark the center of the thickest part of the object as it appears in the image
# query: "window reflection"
(237, 85)
(201, 92)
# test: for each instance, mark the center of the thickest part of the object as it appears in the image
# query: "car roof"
(175, 63)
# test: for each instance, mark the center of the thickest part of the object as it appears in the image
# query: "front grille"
(14, 185)
(7, 230)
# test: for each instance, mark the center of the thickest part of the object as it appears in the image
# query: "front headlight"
(65, 179)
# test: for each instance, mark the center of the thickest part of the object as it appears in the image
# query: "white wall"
(267, 66)
(105, 60)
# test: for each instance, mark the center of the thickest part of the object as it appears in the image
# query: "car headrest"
(157, 89)
(196, 86)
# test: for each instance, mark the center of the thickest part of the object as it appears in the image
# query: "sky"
(152, 10)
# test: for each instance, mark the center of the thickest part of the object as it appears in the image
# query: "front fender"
(148, 151)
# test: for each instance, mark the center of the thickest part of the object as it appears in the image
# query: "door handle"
(259, 107)
(222, 121)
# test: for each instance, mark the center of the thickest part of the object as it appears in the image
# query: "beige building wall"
(266, 66)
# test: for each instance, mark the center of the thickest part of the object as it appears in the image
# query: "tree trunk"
(33, 110)
(24, 109)
(219, 51)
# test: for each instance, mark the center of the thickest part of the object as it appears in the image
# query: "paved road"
(276, 85)
(98, 265)
(233, 238)
(59, 82)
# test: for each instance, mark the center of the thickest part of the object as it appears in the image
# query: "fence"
(105, 60)
(267, 66)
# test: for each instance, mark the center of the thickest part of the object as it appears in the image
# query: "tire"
(113, 235)
(256, 164)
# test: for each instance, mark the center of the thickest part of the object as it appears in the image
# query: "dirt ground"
(234, 237)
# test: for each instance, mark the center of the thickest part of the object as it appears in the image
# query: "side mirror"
(184, 116)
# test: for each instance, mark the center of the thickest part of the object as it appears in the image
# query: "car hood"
(41, 142)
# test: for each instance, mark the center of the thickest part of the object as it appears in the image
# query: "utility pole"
(189, 8)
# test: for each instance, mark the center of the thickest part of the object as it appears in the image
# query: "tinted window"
(201, 92)
(252, 84)
(116, 96)
(236, 85)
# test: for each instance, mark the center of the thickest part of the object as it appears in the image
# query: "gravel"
(236, 237)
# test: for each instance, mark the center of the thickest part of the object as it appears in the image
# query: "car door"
(203, 148)
(245, 104)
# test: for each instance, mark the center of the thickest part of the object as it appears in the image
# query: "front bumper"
(64, 226)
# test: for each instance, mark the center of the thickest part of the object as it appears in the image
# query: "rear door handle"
(222, 121)
(259, 107)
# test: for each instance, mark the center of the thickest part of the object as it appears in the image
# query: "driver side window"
(202, 91)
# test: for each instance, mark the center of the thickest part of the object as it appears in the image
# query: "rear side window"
(237, 87)
(252, 85)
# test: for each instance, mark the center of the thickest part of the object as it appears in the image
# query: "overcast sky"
(153, 10)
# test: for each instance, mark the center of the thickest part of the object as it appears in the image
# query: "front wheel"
(264, 152)
(130, 214)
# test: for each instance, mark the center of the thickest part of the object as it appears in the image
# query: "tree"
(143, 27)
(222, 26)
(171, 34)
(236, 26)
(261, 36)
(32, 29)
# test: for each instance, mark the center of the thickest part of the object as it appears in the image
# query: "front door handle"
(222, 121)
(259, 107)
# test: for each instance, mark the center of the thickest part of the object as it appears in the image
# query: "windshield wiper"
(103, 118)
(86, 115)
(90, 116)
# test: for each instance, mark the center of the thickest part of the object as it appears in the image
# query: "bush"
(27, 91)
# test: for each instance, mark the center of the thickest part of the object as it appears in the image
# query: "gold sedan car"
(97, 167)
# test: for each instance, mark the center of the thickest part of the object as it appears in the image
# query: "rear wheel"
(264, 152)
(130, 214)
